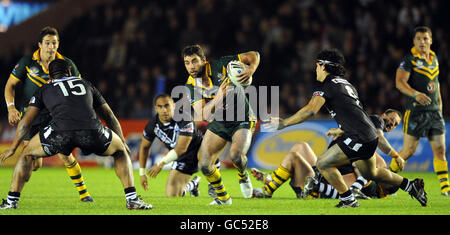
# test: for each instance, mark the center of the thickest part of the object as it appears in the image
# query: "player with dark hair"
(74, 105)
(359, 140)
(32, 72)
(207, 88)
(182, 139)
(417, 77)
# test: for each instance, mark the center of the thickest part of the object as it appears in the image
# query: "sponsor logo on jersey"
(34, 71)
(339, 80)
(189, 128)
(318, 93)
(431, 87)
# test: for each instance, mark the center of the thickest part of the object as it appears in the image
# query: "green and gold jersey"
(423, 78)
(216, 71)
(30, 72)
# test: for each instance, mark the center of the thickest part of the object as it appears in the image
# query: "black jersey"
(343, 104)
(168, 134)
(377, 121)
(71, 102)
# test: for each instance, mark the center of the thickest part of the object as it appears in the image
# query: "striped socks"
(13, 197)
(74, 171)
(441, 170)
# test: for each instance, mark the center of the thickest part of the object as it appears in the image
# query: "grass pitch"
(51, 192)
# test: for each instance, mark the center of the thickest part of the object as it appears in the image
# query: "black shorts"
(187, 162)
(423, 124)
(355, 150)
(89, 141)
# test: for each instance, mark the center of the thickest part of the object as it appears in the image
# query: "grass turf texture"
(51, 192)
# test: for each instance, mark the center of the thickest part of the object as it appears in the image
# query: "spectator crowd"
(131, 49)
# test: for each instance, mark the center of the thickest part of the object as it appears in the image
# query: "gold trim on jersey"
(37, 57)
(35, 76)
(416, 53)
(430, 73)
(194, 83)
(196, 102)
(34, 81)
(12, 75)
(405, 120)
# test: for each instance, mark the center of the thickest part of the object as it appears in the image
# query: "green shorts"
(226, 130)
(423, 123)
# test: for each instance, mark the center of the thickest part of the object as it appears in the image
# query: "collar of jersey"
(37, 55)
(63, 79)
(193, 81)
(416, 53)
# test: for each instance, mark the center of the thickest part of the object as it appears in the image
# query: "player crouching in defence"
(66, 96)
(182, 138)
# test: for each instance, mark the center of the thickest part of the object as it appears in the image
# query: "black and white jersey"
(342, 102)
(71, 102)
(168, 133)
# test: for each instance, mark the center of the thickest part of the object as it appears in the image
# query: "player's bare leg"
(209, 148)
(176, 183)
(124, 171)
(73, 170)
(368, 169)
(440, 165)
(410, 144)
(327, 165)
(22, 170)
(297, 165)
(302, 160)
(240, 144)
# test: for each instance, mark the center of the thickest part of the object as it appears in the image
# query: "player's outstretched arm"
(22, 129)
(304, 113)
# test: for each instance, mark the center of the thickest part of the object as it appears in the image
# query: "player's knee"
(239, 160)
(236, 154)
(120, 152)
(299, 147)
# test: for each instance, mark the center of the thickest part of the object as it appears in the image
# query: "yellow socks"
(277, 178)
(74, 171)
(216, 182)
(441, 169)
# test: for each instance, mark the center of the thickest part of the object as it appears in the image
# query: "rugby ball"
(234, 69)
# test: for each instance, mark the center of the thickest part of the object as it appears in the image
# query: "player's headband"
(322, 62)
